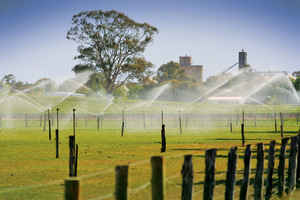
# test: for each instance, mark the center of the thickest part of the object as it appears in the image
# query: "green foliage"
(296, 84)
(109, 43)
(170, 71)
(134, 89)
(120, 92)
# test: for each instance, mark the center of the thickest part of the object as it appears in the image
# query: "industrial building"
(194, 71)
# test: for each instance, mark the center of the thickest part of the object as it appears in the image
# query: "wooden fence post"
(72, 188)
(187, 178)
(122, 182)
(298, 159)
(209, 184)
(281, 166)
(243, 134)
(231, 174)
(247, 164)
(72, 155)
(258, 181)
(269, 181)
(291, 183)
(158, 178)
(76, 159)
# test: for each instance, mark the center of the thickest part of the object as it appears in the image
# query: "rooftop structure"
(194, 71)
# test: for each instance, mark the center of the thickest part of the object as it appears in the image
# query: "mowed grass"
(30, 170)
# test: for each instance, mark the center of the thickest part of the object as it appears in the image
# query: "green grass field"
(29, 169)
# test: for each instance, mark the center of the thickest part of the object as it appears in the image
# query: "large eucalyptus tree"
(110, 43)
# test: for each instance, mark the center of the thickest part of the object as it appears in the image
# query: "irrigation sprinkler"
(26, 120)
(45, 121)
(162, 117)
(49, 124)
(243, 117)
(180, 123)
(74, 123)
(123, 117)
(98, 120)
(275, 121)
(163, 139)
(144, 119)
(57, 135)
(230, 121)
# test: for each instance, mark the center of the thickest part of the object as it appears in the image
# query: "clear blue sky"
(33, 40)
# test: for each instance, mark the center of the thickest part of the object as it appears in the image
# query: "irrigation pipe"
(103, 197)
(32, 186)
(136, 190)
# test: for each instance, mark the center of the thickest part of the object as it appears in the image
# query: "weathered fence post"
(243, 134)
(72, 155)
(245, 183)
(298, 159)
(231, 174)
(258, 181)
(209, 184)
(158, 178)
(281, 166)
(122, 182)
(291, 182)
(163, 139)
(281, 125)
(187, 178)
(269, 181)
(76, 159)
(72, 188)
